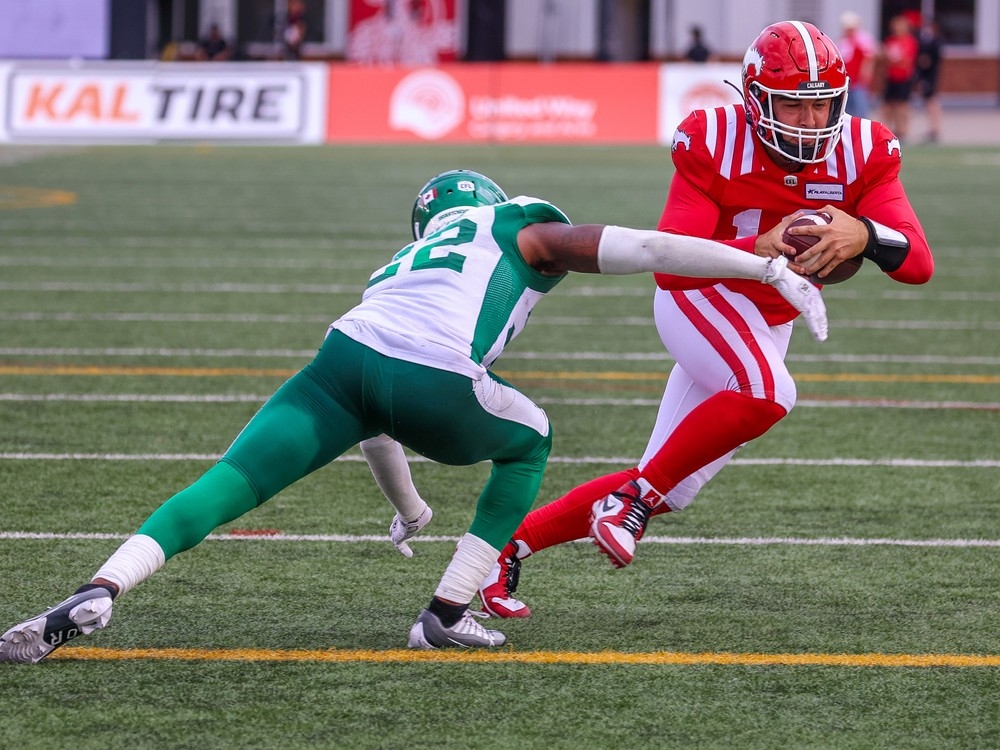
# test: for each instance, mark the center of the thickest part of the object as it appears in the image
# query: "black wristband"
(886, 248)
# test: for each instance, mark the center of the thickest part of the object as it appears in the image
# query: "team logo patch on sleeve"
(831, 193)
(680, 139)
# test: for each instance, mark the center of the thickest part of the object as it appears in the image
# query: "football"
(802, 242)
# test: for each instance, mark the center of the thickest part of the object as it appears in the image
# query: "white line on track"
(679, 540)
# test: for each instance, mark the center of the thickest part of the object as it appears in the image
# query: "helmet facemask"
(802, 145)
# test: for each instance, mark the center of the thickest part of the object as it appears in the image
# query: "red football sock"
(568, 518)
(719, 424)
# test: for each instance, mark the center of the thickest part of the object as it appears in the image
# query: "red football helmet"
(796, 60)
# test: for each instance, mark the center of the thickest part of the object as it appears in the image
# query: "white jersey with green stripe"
(454, 299)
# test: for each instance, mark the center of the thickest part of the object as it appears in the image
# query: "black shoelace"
(637, 514)
(513, 574)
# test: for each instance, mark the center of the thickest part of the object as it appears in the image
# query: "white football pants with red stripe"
(720, 342)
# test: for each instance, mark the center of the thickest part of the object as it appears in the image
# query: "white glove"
(400, 530)
(800, 294)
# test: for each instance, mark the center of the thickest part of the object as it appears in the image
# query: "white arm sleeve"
(626, 251)
(387, 461)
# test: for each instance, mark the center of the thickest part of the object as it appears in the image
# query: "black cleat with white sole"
(34, 639)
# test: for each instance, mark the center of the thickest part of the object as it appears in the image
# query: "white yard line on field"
(269, 536)
(605, 290)
(585, 356)
(242, 398)
(908, 463)
(542, 319)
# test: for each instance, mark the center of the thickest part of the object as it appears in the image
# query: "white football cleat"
(496, 592)
(429, 632)
(619, 520)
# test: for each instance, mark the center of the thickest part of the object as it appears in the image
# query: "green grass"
(217, 259)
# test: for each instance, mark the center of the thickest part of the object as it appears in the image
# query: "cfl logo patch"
(466, 186)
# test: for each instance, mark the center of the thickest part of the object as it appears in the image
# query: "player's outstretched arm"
(388, 465)
(594, 248)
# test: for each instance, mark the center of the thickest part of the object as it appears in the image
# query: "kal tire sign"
(164, 102)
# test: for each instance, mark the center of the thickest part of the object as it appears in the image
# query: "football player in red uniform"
(742, 172)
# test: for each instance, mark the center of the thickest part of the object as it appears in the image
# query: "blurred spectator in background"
(928, 71)
(295, 30)
(900, 53)
(859, 51)
(214, 47)
(698, 52)
(408, 32)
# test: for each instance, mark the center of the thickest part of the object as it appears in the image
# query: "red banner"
(514, 102)
(402, 32)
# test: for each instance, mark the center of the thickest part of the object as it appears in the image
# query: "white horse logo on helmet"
(754, 59)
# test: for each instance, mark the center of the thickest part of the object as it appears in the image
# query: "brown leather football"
(802, 242)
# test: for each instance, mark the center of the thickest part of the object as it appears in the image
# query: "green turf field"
(835, 587)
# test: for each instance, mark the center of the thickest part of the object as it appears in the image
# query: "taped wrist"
(886, 248)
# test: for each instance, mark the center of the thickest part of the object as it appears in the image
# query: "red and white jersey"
(727, 188)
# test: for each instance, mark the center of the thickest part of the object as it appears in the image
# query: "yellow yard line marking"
(881, 378)
(137, 370)
(508, 656)
(12, 196)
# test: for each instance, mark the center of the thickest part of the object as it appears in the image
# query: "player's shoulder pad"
(689, 137)
(536, 210)
(887, 152)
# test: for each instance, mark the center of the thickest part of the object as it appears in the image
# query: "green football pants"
(348, 393)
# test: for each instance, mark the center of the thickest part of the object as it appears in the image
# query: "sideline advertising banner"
(503, 102)
(112, 102)
(688, 86)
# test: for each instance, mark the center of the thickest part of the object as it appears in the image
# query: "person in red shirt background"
(899, 50)
(859, 51)
(742, 174)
